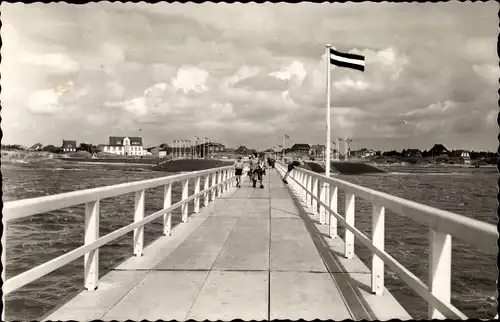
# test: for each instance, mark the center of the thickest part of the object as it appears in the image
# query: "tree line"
(426, 154)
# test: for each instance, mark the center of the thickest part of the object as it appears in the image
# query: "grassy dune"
(191, 165)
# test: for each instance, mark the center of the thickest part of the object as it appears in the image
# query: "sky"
(245, 74)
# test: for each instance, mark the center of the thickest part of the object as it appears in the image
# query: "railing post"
(309, 191)
(91, 259)
(197, 199)
(219, 180)
(326, 215)
(167, 202)
(378, 228)
(439, 270)
(294, 181)
(333, 206)
(221, 188)
(139, 215)
(315, 194)
(205, 187)
(185, 194)
(322, 198)
(301, 190)
(304, 190)
(213, 188)
(349, 217)
(224, 180)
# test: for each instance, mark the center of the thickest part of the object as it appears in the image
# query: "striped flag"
(286, 136)
(347, 60)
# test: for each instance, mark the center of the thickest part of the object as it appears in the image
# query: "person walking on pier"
(238, 171)
(261, 171)
(253, 173)
(291, 166)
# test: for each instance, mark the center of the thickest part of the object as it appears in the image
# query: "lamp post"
(196, 146)
(348, 145)
(338, 145)
(205, 148)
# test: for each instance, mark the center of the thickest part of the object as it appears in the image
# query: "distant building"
(242, 150)
(209, 147)
(299, 148)
(318, 150)
(462, 156)
(414, 153)
(438, 150)
(36, 147)
(69, 146)
(124, 146)
(363, 153)
(158, 151)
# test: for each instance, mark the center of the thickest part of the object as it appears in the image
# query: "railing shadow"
(348, 287)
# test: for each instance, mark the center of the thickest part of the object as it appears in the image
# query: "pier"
(246, 253)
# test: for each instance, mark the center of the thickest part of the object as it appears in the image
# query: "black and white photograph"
(249, 161)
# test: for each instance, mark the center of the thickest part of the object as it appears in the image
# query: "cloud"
(115, 90)
(295, 72)
(249, 72)
(136, 106)
(490, 73)
(57, 62)
(47, 101)
(44, 102)
(191, 79)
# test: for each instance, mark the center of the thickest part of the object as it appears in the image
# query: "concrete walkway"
(254, 254)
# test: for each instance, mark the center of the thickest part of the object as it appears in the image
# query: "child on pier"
(238, 171)
(261, 171)
(252, 174)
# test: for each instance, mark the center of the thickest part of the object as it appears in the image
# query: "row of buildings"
(195, 151)
(133, 146)
(437, 151)
(119, 145)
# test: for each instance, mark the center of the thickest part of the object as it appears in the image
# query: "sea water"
(34, 240)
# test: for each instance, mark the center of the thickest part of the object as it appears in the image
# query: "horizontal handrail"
(438, 293)
(32, 206)
(224, 177)
(437, 219)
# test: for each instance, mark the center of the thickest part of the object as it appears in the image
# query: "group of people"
(256, 169)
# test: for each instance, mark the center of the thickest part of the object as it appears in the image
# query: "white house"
(124, 146)
(462, 155)
(363, 153)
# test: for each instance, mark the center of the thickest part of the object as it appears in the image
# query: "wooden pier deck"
(253, 254)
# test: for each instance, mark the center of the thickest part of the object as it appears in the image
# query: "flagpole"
(328, 139)
(284, 144)
(326, 187)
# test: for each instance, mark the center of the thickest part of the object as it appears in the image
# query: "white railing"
(442, 226)
(222, 180)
